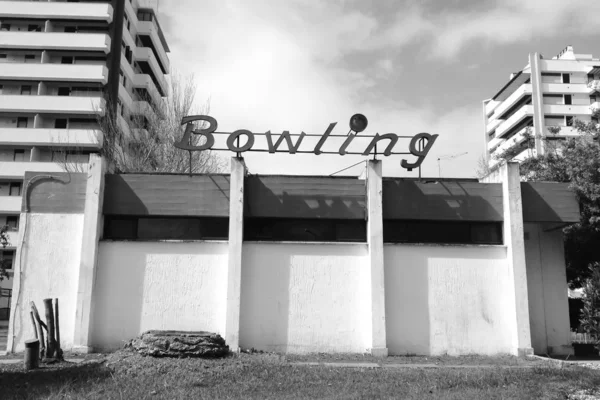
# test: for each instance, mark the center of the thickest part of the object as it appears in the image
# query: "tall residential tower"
(59, 62)
(546, 95)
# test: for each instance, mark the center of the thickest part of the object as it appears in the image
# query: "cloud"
(301, 64)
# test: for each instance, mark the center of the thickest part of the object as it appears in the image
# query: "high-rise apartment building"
(59, 62)
(546, 95)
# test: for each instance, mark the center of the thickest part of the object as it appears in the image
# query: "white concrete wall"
(305, 297)
(51, 267)
(547, 288)
(157, 285)
(448, 300)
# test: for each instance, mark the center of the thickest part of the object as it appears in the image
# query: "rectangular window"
(70, 29)
(8, 257)
(12, 222)
(22, 122)
(66, 60)
(305, 230)
(64, 91)
(26, 90)
(2, 56)
(19, 155)
(34, 28)
(568, 99)
(166, 228)
(15, 188)
(443, 232)
(5, 27)
(566, 78)
(569, 120)
(60, 123)
(29, 58)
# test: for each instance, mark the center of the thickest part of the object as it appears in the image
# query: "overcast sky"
(409, 66)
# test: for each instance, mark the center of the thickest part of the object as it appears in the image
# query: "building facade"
(63, 64)
(299, 264)
(544, 97)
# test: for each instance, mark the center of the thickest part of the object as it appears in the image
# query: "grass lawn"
(126, 375)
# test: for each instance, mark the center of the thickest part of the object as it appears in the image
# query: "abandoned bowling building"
(298, 264)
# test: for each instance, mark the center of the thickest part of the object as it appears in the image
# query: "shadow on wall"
(447, 300)
(265, 301)
(299, 197)
(153, 285)
(118, 297)
(406, 304)
(301, 298)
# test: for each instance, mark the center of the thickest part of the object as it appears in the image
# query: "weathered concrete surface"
(179, 344)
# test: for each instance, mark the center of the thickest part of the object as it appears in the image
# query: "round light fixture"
(358, 123)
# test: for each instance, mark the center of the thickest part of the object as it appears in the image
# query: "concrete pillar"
(486, 137)
(38, 121)
(36, 154)
(375, 242)
(234, 268)
(42, 89)
(92, 227)
(514, 240)
(539, 124)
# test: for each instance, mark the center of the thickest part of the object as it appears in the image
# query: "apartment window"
(566, 78)
(568, 99)
(22, 122)
(60, 123)
(29, 57)
(15, 189)
(34, 28)
(70, 29)
(8, 257)
(19, 155)
(569, 119)
(12, 222)
(64, 91)
(5, 27)
(125, 82)
(66, 60)
(2, 56)
(26, 90)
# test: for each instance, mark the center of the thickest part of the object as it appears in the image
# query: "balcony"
(13, 238)
(593, 86)
(149, 28)
(511, 100)
(80, 138)
(566, 109)
(507, 144)
(52, 104)
(519, 116)
(10, 204)
(54, 72)
(146, 55)
(565, 88)
(565, 131)
(17, 169)
(55, 41)
(493, 124)
(144, 81)
(57, 10)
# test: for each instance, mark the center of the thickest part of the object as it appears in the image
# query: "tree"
(575, 160)
(144, 142)
(590, 314)
(4, 263)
